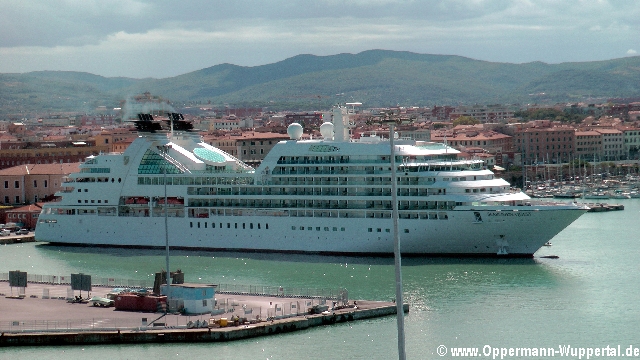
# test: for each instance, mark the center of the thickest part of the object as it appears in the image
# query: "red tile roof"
(42, 169)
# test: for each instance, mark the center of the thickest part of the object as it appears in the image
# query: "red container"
(135, 302)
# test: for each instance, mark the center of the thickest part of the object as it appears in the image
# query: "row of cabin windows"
(310, 228)
(93, 201)
(406, 231)
(235, 225)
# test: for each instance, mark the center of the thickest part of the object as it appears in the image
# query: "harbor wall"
(165, 335)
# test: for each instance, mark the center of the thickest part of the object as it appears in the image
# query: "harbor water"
(586, 298)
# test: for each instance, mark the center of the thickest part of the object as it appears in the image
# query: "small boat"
(596, 195)
(548, 243)
(565, 195)
(619, 194)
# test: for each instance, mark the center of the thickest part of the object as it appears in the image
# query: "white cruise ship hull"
(508, 232)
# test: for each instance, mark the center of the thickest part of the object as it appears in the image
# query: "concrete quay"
(31, 320)
(17, 239)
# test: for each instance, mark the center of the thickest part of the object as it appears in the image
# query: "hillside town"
(37, 152)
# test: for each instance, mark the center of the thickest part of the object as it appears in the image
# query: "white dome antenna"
(326, 130)
(295, 131)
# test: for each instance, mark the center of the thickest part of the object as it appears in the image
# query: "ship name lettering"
(519, 214)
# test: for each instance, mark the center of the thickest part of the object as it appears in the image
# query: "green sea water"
(588, 298)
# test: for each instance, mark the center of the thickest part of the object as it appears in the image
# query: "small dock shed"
(195, 298)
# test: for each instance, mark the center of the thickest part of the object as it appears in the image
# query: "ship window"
(406, 231)
(250, 225)
(235, 225)
(213, 225)
(106, 201)
(205, 225)
(79, 190)
(318, 228)
(335, 228)
(86, 201)
(190, 224)
(387, 230)
(301, 227)
(258, 225)
(341, 229)
(293, 228)
(228, 225)
(379, 230)
(79, 201)
(370, 230)
(326, 228)
(310, 228)
(243, 225)
(86, 190)
(266, 226)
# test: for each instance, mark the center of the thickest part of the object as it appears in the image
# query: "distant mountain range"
(375, 78)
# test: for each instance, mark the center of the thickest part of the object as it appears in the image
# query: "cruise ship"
(330, 195)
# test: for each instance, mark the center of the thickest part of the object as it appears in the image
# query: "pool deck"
(31, 320)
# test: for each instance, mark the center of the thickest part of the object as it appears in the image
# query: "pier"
(17, 239)
(600, 207)
(34, 319)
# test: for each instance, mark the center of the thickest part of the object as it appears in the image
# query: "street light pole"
(396, 247)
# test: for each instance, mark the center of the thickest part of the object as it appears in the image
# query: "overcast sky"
(163, 38)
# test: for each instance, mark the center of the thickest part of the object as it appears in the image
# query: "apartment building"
(612, 144)
(251, 147)
(484, 114)
(23, 153)
(490, 141)
(588, 145)
(546, 145)
(631, 140)
(30, 183)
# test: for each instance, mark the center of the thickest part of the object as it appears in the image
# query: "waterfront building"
(23, 216)
(588, 145)
(612, 144)
(631, 140)
(546, 145)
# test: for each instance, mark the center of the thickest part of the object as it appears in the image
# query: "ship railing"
(174, 162)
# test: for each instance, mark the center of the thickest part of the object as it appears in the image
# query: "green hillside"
(375, 77)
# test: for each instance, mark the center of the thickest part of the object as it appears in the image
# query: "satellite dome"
(326, 130)
(294, 131)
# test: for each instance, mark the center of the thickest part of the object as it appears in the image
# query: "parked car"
(4, 232)
(22, 232)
